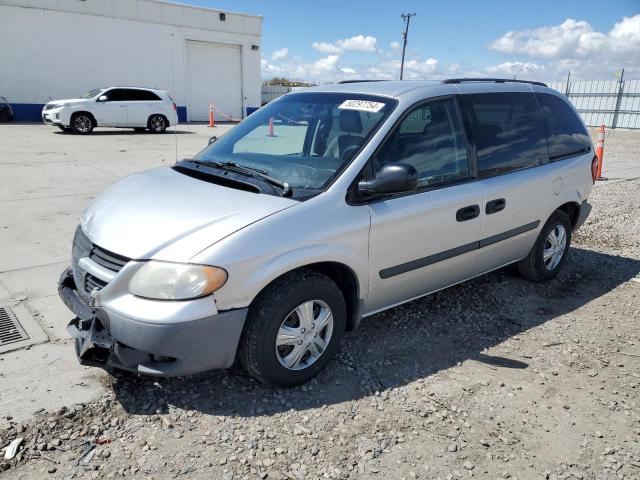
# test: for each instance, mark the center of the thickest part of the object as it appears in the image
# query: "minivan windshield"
(92, 93)
(304, 139)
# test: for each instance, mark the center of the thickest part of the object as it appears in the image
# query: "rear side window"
(141, 96)
(567, 135)
(508, 131)
(431, 139)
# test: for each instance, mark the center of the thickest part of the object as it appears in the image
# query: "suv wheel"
(550, 250)
(81, 123)
(293, 329)
(157, 123)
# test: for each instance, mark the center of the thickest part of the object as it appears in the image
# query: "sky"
(330, 40)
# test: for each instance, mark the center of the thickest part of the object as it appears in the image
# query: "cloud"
(394, 45)
(574, 39)
(280, 54)
(327, 64)
(358, 43)
(326, 47)
(348, 70)
(510, 69)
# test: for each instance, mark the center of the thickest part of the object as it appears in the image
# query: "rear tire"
(550, 250)
(157, 123)
(81, 123)
(275, 347)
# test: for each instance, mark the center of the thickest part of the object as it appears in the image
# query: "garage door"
(214, 76)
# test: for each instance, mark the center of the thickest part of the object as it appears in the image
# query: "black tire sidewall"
(268, 313)
(558, 218)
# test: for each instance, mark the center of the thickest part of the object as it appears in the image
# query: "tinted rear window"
(567, 135)
(508, 131)
(141, 95)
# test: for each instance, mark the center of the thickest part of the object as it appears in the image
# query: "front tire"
(293, 329)
(550, 250)
(157, 123)
(81, 123)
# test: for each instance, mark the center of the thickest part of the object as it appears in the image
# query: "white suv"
(129, 107)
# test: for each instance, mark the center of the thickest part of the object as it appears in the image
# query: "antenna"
(406, 17)
(173, 72)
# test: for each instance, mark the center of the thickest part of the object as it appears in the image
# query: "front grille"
(82, 247)
(107, 259)
(93, 283)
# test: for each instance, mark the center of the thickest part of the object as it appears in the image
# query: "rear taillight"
(594, 169)
(175, 107)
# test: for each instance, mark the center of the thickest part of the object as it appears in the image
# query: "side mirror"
(392, 178)
(102, 98)
(212, 139)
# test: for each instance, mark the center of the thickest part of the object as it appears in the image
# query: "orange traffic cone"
(211, 117)
(600, 153)
(271, 134)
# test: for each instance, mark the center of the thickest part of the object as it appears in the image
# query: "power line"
(406, 17)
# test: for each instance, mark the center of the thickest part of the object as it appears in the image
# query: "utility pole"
(406, 17)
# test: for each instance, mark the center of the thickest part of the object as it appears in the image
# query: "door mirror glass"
(102, 98)
(392, 178)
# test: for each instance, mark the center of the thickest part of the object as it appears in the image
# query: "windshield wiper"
(250, 172)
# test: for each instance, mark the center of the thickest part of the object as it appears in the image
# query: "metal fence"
(614, 103)
(271, 92)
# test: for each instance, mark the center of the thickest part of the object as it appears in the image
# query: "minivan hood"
(166, 215)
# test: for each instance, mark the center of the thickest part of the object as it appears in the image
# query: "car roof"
(136, 88)
(389, 88)
(426, 88)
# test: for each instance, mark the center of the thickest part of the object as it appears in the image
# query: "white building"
(51, 49)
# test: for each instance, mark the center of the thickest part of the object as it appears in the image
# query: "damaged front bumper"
(110, 340)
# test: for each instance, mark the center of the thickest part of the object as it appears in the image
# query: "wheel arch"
(86, 112)
(346, 280)
(166, 119)
(572, 209)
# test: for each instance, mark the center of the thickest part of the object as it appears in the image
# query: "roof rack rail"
(359, 81)
(494, 80)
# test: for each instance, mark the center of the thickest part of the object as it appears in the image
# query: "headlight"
(176, 281)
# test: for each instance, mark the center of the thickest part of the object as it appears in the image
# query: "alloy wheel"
(157, 123)
(82, 124)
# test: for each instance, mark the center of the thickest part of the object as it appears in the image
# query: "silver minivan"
(322, 208)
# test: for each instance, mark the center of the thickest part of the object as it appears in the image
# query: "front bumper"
(51, 117)
(109, 340)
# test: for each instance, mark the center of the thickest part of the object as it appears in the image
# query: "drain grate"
(10, 329)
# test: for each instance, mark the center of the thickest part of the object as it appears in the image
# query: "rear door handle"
(468, 213)
(495, 205)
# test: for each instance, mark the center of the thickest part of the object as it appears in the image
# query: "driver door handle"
(495, 205)
(468, 213)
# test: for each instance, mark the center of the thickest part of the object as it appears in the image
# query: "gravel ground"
(495, 378)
